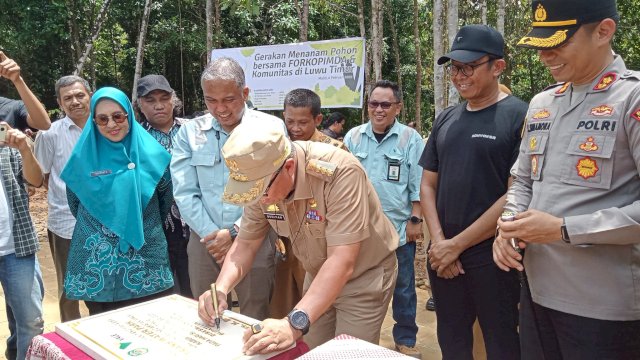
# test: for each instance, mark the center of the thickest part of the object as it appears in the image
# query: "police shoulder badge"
(533, 143)
(606, 81)
(636, 114)
(587, 167)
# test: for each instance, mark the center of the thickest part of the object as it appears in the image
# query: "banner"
(333, 69)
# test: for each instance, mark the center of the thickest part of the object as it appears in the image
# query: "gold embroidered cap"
(253, 153)
(555, 21)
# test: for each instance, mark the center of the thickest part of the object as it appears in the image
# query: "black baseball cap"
(473, 42)
(555, 21)
(153, 82)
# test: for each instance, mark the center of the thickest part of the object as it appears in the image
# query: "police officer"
(319, 197)
(577, 191)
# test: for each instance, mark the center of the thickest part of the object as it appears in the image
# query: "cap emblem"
(541, 13)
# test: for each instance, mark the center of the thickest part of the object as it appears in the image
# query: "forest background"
(115, 42)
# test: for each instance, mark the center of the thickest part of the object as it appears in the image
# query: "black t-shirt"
(14, 113)
(472, 152)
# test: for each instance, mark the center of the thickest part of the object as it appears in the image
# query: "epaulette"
(630, 74)
(321, 169)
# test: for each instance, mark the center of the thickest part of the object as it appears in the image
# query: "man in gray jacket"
(577, 191)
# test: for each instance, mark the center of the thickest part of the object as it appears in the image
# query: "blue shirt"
(98, 271)
(392, 167)
(199, 173)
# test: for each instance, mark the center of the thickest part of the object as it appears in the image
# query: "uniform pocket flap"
(536, 143)
(600, 146)
(202, 159)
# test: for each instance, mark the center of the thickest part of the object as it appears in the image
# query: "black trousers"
(487, 293)
(547, 334)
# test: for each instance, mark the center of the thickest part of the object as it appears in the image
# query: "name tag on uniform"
(393, 171)
(100, 173)
(274, 213)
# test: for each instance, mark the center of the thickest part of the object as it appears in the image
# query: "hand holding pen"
(210, 306)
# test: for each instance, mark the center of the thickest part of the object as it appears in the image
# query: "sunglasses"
(118, 118)
(273, 178)
(384, 105)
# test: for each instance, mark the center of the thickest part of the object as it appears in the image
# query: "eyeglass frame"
(379, 104)
(273, 178)
(459, 69)
(110, 117)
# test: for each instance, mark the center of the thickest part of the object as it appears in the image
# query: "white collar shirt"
(52, 149)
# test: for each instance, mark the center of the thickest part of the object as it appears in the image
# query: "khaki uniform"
(289, 277)
(318, 136)
(335, 204)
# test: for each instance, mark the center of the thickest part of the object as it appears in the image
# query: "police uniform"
(580, 159)
(289, 276)
(333, 204)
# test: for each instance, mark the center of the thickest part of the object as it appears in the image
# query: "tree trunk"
(209, 12)
(376, 35)
(500, 21)
(140, 56)
(367, 63)
(416, 36)
(396, 50)
(483, 9)
(438, 50)
(217, 26)
(452, 29)
(303, 16)
(102, 16)
(73, 30)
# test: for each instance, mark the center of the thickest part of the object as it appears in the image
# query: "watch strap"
(565, 233)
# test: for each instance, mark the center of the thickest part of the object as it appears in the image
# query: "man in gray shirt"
(576, 191)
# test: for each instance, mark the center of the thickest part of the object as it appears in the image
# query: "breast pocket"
(316, 243)
(396, 168)
(589, 160)
(536, 147)
(204, 164)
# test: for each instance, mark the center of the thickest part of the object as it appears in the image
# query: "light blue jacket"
(402, 145)
(199, 173)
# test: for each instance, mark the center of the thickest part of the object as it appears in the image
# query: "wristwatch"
(233, 232)
(299, 320)
(415, 220)
(565, 233)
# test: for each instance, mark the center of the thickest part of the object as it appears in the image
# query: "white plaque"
(165, 328)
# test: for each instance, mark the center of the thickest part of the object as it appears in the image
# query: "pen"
(214, 297)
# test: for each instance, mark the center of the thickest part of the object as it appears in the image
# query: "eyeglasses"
(118, 118)
(384, 105)
(273, 178)
(467, 69)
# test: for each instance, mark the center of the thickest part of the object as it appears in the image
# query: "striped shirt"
(52, 149)
(23, 230)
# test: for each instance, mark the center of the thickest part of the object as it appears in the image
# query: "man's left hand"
(414, 231)
(15, 139)
(532, 226)
(443, 253)
(276, 334)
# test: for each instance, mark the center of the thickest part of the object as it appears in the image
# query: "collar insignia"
(563, 89)
(636, 114)
(606, 81)
(589, 145)
(587, 167)
(602, 110)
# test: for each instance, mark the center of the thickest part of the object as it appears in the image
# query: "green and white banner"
(333, 69)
